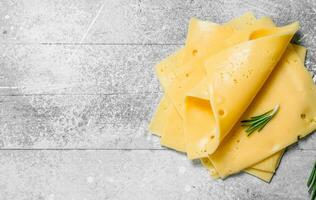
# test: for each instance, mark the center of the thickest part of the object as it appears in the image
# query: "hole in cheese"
(212, 137)
(221, 112)
(194, 52)
(303, 116)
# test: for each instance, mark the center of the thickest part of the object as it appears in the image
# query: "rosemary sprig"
(297, 39)
(257, 123)
(311, 183)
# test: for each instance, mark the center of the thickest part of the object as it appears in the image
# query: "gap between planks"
(91, 44)
(107, 149)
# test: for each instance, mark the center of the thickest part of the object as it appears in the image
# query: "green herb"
(257, 123)
(297, 39)
(311, 183)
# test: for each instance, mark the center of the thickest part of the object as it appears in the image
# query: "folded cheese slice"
(264, 169)
(263, 175)
(291, 87)
(160, 120)
(236, 75)
(167, 71)
(185, 77)
(260, 170)
(228, 73)
(191, 73)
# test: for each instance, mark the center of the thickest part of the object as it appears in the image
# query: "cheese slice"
(165, 69)
(225, 78)
(269, 164)
(172, 135)
(193, 71)
(264, 169)
(156, 125)
(168, 120)
(291, 87)
(263, 175)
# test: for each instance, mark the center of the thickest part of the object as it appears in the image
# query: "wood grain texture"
(114, 121)
(72, 69)
(135, 175)
(78, 121)
(79, 74)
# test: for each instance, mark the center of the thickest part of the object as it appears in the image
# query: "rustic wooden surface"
(77, 90)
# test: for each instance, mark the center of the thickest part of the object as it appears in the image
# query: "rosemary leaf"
(257, 123)
(311, 183)
(311, 176)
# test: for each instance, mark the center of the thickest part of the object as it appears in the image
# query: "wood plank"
(72, 69)
(139, 175)
(135, 21)
(308, 142)
(46, 21)
(118, 121)
(78, 121)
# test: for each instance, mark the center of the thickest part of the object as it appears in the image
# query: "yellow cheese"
(172, 135)
(232, 65)
(198, 118)
(156, 125)
(167, 68)
(168, 119)
(291, 87)
(192, 72)
(269, 164)
(208, 165)
(263, 175)
(230, 72)
(300, 51)
(199, 32)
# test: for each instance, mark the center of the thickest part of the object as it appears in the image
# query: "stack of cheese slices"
(231, 72)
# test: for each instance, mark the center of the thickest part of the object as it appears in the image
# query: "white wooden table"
(77, 90)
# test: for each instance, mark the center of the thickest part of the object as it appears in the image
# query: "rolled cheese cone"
(269, 164)
(237, 74)
(199, 36)
(292, 88)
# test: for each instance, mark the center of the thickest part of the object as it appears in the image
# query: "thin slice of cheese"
(263, 175)
(231, 71)
(191, 73)
(222, 80)
(165, 69)
(156, 125)
(198, 28)
(172, 135)
(291, 87)
(267, 165)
